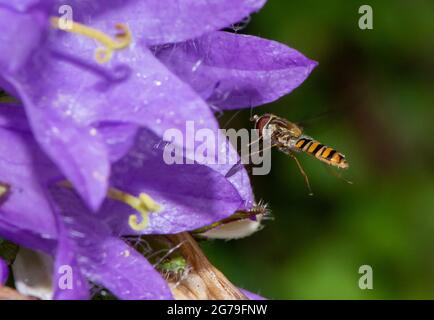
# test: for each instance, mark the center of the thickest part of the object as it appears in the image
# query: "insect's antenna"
(263, 149)
(232, 118)
(254, 141)
(306, 179)
(236, 166)
(338, 175)
(169, 252)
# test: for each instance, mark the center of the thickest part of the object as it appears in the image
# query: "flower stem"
(204, 281)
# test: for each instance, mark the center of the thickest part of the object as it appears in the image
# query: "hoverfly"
(289, 138)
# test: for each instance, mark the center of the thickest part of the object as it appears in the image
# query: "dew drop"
(196, 66)
(93, 132)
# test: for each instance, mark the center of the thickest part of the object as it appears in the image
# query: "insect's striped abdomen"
(321, 152)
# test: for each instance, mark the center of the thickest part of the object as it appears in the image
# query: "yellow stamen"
(143, 204)
(105, 53)
(4, 189)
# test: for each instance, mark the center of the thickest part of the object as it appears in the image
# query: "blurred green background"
(372, 98)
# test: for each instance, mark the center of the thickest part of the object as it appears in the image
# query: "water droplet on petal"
(93, 132)
(196, 65)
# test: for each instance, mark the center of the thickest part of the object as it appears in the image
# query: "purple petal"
(102, 257)
(241, 182)
(76, 149)
(252, 296)
(13, 118)
(4, 272)
(31, 239)
(138, 91)
(118, 138)
(234, 172)
(163, 21)
(30, 28)
(66, 264)
(133, 88)
(191, 195)
(235, 71)
(26, 5)
(25, 215)
(126, 273)
(143, 95)
(63, 120)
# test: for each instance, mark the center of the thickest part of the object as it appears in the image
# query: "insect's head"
(262, 121)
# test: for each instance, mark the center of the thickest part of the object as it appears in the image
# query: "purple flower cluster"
(78, 153)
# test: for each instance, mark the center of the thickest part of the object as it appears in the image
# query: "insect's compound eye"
(262, 123)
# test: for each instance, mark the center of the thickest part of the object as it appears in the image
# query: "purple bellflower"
(42, 212)
(168, 63)
(78, 151)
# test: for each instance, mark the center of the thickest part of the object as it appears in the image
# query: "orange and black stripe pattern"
(321, 152)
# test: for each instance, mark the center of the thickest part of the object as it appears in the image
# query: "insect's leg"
(254, 141)
(337, 174)
(236, 167)
(264, 149)
(306, 179)
(257, 141)
(169, 252)
(251, 143)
